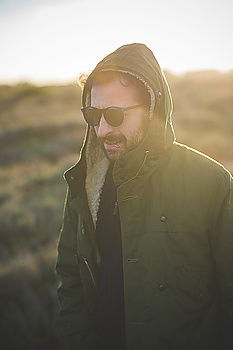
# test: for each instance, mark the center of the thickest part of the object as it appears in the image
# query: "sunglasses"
(114, 116)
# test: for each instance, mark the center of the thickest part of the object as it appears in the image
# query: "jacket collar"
(89, 172)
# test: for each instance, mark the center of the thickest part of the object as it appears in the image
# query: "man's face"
(119, 140)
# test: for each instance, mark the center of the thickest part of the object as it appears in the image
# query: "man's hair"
(125, 79)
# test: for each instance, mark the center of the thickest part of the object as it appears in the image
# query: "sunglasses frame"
(102, 111)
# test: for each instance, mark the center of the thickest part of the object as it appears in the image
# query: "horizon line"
(71, 81)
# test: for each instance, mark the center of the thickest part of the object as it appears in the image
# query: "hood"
(138, 60)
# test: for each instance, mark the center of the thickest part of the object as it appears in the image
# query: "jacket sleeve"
(223, 254)
(74, 319)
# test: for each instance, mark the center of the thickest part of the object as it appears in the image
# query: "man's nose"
(104, 128)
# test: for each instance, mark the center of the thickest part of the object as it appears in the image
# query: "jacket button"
(161, 287)
(72, 178)
(163, 218)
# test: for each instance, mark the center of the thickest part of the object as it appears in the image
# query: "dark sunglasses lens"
(92, 116)
(114, 116)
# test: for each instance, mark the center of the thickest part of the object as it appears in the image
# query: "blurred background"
(45, 45)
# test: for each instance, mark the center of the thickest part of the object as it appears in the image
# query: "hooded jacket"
(176, 212)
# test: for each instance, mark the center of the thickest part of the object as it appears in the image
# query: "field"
(41, 135)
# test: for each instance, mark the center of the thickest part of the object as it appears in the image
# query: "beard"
(123, 144)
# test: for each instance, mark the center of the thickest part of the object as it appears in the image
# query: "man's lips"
(112, 146)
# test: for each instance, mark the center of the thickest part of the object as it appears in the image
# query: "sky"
(44, 41)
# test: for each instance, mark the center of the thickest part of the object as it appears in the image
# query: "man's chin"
(112, 155)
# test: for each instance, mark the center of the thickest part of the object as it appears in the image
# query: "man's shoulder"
(198, 165)
(195, 157)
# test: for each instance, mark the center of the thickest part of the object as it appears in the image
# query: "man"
(145, 255)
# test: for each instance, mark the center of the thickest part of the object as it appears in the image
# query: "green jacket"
(176, 212)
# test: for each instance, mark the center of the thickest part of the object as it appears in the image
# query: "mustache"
(112, 139)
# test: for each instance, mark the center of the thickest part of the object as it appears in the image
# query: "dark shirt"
(109, 312)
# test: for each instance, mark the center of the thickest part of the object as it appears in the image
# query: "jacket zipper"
(115, 208)
(89, 269)
(114, 213)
